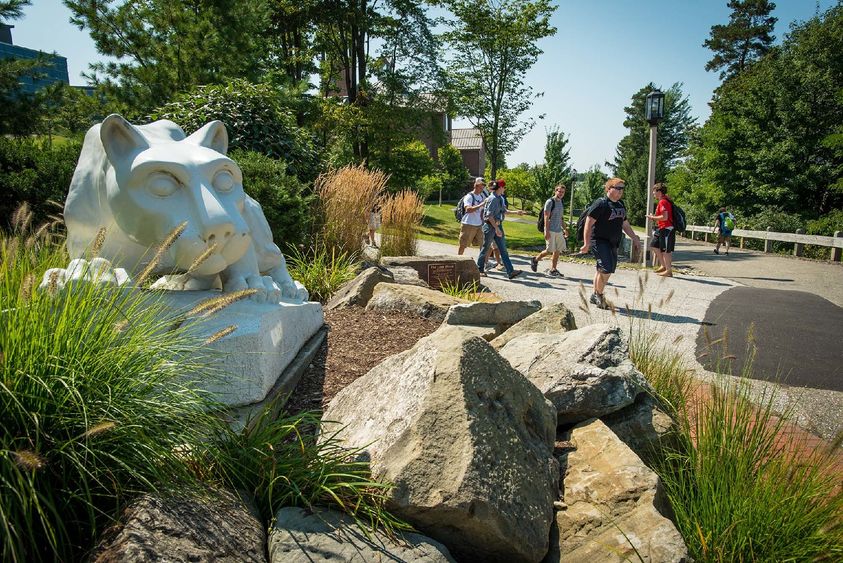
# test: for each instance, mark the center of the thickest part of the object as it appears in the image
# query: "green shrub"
(321, 270)
(454, 174)
(406, 165)
(35, 172)
(286, 201)
(825, 226)
(779, 221)
(257, 119)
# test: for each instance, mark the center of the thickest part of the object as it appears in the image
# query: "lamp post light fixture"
(653, 113)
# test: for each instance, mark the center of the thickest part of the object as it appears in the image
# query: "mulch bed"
(357, 341)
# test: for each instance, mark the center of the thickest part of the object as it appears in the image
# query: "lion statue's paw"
(267, 290)
(80, 273)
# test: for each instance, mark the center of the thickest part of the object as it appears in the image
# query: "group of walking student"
(604, 225)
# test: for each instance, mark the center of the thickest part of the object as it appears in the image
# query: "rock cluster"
(468, 432)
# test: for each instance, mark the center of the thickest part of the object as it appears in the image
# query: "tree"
(494, 44)
(589, 186)
(632, 154)
(454, 174)
(769, 142)
(163, 47)
(556, 168)
(747, 37)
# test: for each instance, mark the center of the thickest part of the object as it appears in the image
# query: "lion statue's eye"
(162, 184)
(223, 181)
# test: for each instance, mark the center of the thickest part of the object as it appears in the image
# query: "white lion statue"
(141, 182)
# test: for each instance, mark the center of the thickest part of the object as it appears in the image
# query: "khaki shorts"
(471, 235)
(557, 242)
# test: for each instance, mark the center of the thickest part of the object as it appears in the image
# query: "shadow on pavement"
(673, 319)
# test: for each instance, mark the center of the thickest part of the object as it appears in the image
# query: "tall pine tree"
(746, 38)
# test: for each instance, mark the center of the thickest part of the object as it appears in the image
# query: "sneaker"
(598, 300)
(514, 274)
(534, 264)
(556, 273)
(500, 267)
(716, 251)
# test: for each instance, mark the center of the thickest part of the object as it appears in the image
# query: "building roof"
(467, 139)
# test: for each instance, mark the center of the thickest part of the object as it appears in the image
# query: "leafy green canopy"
(159, 48)
(257, 118)
(556, 168)
(494, 44)
(770, 140)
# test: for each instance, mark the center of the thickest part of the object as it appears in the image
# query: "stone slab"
(246, 364)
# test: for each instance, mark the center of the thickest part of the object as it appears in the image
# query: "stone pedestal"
(246, 364)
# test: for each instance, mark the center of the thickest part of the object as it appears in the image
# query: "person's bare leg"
(667, 260)
(554, 260)
(600, 281)
(372, 237)
(658, 260)
(728, 244)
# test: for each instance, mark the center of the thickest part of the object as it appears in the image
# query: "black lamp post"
(653, 113)
(571, 207)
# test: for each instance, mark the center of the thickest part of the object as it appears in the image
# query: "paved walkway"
(675, 308)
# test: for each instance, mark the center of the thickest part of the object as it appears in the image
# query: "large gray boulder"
(467, 441)
(221, 527)
(551, 319)
(357, 292)
(585, 373)
(406, 275)
(302, 536)
(613, 505)
(412, 300)
(502, 315)
(641, 426)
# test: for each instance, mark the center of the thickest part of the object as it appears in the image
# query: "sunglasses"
(619, 188)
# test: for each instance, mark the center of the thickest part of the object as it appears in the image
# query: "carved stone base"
(246, 364)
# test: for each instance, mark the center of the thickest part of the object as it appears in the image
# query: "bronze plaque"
(445, 272)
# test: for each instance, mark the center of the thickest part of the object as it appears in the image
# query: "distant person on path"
(724, 225)
(471, 224)
(604, 225)
(555, 232)
(374, 223)
(664, 235)
(493, 213)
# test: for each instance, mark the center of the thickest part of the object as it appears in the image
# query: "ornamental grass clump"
(402, 218)
(742, 485)
(95, 403)
(346, 197)
(322, 269)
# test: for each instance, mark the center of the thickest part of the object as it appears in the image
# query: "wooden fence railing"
(800, 239)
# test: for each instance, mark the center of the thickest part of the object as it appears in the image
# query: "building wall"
(55, 71)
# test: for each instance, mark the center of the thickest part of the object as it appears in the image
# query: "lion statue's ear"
(120, 138)
(212, 135)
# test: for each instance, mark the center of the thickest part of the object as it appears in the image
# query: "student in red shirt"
(664, 235)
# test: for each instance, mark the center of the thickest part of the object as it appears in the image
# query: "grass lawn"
(439, 225)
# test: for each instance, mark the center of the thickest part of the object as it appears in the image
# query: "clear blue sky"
(602, 53)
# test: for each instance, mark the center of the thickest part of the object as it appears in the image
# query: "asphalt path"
(796, 336)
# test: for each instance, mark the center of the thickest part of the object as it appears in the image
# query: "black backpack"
(540, 220)
(584, 215)
(459, 210)
(679, 222)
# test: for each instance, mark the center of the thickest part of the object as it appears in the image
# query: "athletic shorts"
(664, 239)
(557, 242)
(606, 254)
(471, 235)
